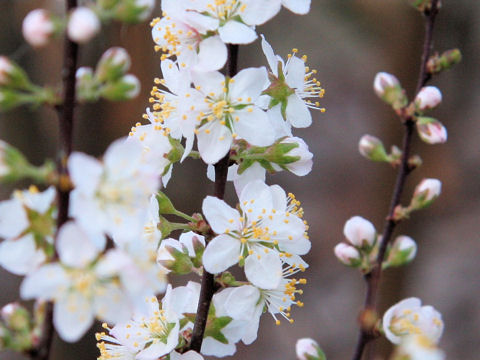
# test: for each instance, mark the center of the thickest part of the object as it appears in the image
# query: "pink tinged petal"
(212, 54)
(248, 83)
(74, 247)
(234, 32)
(270, 55)
(254, 126)
(220, 216)
(214, 142)
(300, 7)
(258, 12)
(221, 253)
(13, 219)
(85, 172)
(72, 317)
(20, 256)
(209, 82)
(297, 112)
(264, 270)
(295, 73)
(45, 283)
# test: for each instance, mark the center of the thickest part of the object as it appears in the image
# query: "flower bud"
(360, 232)
(15, 317)
(38, 27)
(83, 25)
(425, 193)
(347, 255)
(134, 11)
(165, 205)
(6, 68)
(308, 349)
(113, 64)
(428, 98)
(126, 88)
(173, 256)
(431, 130)
(388, 88)
(445, 61)
(403, 251)
(195, 245)
(303, 163)
(87, 85)
(372, 148)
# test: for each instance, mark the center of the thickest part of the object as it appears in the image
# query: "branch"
(208, 281)
(373, 278)
(66, 115)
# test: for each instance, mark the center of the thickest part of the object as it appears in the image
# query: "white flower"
(228, 110)
(430, 188)
(83, 25)
(384, 81)
(419, 347)
(6, 67)
(409, 317)
(292, 90)
(359, 231)
(347, 254)
(76, 285)
(306, 347)
(267, 230)
(37, 27)
(428, 98)
(300, 7)
(113, 196)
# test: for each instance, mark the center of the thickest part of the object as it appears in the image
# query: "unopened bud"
(113, 64)
(87, 85)
(431, 130)
(428, 98)
(425, 193)
(372, 148)
(301, 156)
(125, 88)
(83, 25)
(388, 88)
(347, 255)
(165, 205)
(445, 61)
(15, 317)
(360, 232)
(403, 251)
(12, 75)
(173, 256)
(134, 11)
(6, 68)
(38, 27)
(308, 349)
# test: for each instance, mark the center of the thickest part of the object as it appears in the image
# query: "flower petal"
(74, 246)
(248, 83)
(234, 32)
(221, 253)
(264, 270)
(253, 125)
(20, 256)
(45, 283)
(212, 54)
(72, 316)
(300, 7)
(297, 112)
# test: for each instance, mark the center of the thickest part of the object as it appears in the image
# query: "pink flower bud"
(83, 25)
(347, 254)
(383, 81)
(37, 27)
(306, 347)
(430, 188)
(372, 148)
(428, 98)
(360, 232)
(6, 67)
(431, 130)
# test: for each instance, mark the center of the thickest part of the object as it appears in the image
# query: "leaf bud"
(372, 148)
(402, 251)
(308, 349)
(445, 61)
(83, 25)
(38, 27)
(113, 64)
(133, 11)
(347, 254)
(431, 130)
(360, 232)
(428, 97)
(126, 88)
(425, 193)
(388, 88)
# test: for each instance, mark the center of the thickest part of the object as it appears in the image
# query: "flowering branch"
(208, 281)
(367, 317)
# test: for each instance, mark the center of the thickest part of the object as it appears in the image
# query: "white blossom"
(83, 25)
(359, 232)
(38, 27)
(420, 347)
(306, 346)
(428, 97)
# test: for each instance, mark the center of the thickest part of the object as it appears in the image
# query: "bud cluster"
(15, 328)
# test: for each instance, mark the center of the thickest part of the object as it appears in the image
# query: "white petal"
(264, 272)
(40, 202)
(220, 216)
(255, 197)
(214, 142)
(295, 73)
(189, 355)
(221, 253)
(254, 126)
(20, 256)
(85, 172)
(254, 172)
(270, 55)
(234, 32)
(45, 283)
(177, 81)
(122, 158)
(209, 82)
(242, 301)
(72, 317)
(212, 347)
(74, 246)
(212, 54)
(157, 350)
(111, 305)
(300, 7)
(249, 83)
(13, 219)
(258, 12)
(297, 112)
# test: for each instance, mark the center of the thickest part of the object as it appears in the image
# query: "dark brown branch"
(66, 116)
(372, 279)
(208, 281)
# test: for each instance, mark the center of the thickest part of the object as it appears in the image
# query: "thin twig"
(208, 281)
(66, 116)
(372, 279)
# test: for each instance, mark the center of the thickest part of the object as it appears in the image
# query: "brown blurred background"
(348, 42)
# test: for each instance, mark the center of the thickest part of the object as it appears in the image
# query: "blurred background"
(348, 42)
